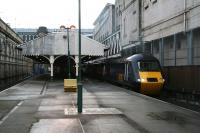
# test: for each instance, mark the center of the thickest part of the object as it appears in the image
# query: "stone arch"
(83, 57)
(61, 66)
(62, 56)
(46, 58)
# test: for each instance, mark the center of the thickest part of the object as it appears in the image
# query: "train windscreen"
(148, 66)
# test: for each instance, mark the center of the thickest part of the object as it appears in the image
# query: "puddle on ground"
(169, 116)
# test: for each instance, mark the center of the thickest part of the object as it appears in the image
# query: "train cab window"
(148, 66)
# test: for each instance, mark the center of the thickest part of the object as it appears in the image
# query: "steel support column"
(51, 62)
(175, 49)
(152, 47)
(161, 51)
(80, 93)
(68, 57)
(143, 47)
(189, 47)
(76, 61)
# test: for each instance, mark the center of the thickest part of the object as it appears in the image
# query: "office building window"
(27, 38)
(171, 45)
(153, 1)
(134, 12)
(178, 45)
(124, 27)
(24, 38)
(124, 4)
(146, 4)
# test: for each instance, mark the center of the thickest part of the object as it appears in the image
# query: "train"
(141, 72)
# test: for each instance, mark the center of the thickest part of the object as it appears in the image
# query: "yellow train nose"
(151, 83)
(151, 88)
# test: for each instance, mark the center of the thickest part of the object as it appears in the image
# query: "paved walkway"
(37, 106)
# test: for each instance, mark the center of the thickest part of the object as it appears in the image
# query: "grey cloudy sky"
(50, 13)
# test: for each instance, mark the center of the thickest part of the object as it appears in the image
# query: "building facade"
(174, 32)
(167, 29)
(107, 32)
(13, 66)
(152, 26)
(28, 34)
(131, 26)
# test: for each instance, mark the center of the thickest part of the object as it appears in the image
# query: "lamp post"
(79, 98)
(68, 58)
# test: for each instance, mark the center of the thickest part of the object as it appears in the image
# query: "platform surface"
(37, 106)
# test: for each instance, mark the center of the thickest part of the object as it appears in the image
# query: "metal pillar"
(174, 49)
(51, 70)
(140, 21)
(76, 61)
(189, 45)
(143, 47)
(51, 62)
(161, 50)
(69, 74)
(152, 47)
(80, 101)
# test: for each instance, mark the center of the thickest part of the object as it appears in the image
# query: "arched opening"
(41, 64)
(61, 69)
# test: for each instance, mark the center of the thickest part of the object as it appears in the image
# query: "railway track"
(183, 99)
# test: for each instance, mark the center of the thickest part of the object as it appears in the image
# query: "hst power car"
(140, 72)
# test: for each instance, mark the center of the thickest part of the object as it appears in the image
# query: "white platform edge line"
(81, 126)
(5, 117)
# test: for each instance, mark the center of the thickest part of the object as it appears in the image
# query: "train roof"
(137, 57)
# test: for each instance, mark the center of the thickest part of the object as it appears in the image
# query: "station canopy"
(56, 43)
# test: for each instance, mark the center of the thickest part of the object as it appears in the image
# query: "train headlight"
(141, 80)
(162, 80)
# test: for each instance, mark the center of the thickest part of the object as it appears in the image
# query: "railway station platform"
(38, 105)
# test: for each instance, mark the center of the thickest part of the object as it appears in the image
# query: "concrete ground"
(38, 106)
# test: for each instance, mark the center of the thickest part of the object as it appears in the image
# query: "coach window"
(127, 71)
(130, 71)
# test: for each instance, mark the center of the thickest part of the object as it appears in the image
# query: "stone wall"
(13, 66)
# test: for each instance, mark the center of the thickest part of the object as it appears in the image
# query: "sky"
(50, 13)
